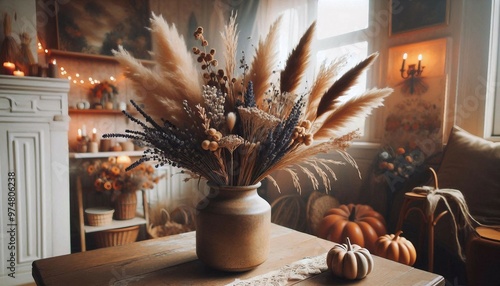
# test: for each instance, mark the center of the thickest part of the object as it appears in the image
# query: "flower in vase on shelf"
(237, 129)
(112, 176)
(105, 92)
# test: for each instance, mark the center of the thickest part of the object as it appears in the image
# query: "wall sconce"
(412, 73)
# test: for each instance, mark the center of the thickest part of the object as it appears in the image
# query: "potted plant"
(112, 177)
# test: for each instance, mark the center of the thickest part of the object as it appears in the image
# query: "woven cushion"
(470, 164)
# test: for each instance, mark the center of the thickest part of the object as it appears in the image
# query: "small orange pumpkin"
(359, 222)
(396, 248)
(349, 261)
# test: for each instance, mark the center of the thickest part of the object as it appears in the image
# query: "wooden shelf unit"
(115, 224)
(111, 59)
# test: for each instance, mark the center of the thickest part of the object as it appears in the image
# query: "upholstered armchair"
(470, 164)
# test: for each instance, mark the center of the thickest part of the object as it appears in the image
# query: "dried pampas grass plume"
(230, 39)
(324, 79)
(328, 102)
(297, 62)
(343, 117)
(175, 79)
(264, 62)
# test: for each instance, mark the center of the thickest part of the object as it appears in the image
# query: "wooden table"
(172, 261)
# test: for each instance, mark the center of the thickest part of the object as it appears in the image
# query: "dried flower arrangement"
(112, 176)
(400, 162)
(238, 129)
(104, 89)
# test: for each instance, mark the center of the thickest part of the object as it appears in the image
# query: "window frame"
(492, 110)
(373, 125)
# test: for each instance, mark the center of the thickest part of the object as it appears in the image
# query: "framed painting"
(93, 27)
(411, 15)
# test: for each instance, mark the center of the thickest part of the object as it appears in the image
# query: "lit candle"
(94, 135)
(419, 61)
(405, 55)
(52, 70)
(9, 65)
(18, 73)
(41, 54)
(125, 160)
(8, 68)
(84, 130)
(79, 136)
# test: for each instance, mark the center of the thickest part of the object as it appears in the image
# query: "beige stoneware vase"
(233, 225)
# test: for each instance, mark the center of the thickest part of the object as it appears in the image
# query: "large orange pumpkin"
(396, 248)
(360, 223)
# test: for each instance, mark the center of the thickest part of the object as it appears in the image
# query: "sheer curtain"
(256, 16)
(296, 19)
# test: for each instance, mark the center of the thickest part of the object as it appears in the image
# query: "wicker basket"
(288, 210)
(317, 205)
(118, 236)
(170, 226)
(126, 206)
(99, 216)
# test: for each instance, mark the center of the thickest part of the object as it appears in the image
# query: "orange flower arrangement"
(104, 88)
(111, 176)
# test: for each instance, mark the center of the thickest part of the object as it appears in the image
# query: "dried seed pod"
(205, 144)
(213, 146)
(217, 136)
(211, 131)
(306, 124)
(231, 121)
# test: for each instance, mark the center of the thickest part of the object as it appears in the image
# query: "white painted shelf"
(116, 224)
(105, 154)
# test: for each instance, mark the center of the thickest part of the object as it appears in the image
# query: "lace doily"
(295, 271)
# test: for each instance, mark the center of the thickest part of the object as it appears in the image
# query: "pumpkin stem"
(435, 178)
(349, 246)
(397, 234)
(352, 215)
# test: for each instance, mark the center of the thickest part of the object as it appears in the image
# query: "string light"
(78, 79)
(75, 78)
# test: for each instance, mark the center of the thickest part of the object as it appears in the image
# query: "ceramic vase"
(233, 225)
(125, 206)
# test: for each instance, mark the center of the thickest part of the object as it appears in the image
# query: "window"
(342, 28)
(333, 16)
(494, 72)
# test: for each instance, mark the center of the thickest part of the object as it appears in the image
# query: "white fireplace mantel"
(34, 126)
